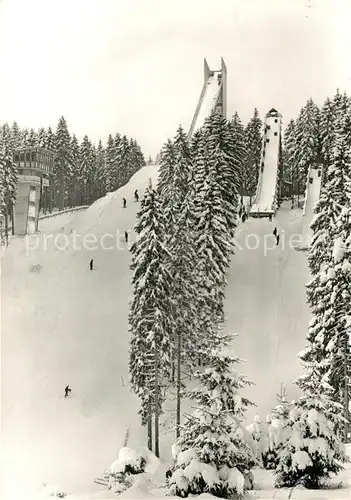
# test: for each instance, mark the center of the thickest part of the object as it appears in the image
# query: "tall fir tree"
(327, 133)
(288, 157)
(211, 454)
(237, 130)
(15, 135)
(313, 450)
(62, 164)
(149, 316)
(9, 178)
(100, 187)
(253, 134)
(76, 181)
(167, 162)
(41, 138)
(307, 143)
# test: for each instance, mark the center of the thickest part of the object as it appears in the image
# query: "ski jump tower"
(35, 166)
(213, 97)
(267, 192)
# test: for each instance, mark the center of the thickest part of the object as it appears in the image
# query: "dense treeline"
(180, 262)
(309, 140)
(83, 171)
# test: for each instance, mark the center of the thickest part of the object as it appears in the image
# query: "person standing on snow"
(275, 232)
(136, 195)
(91, 264)
(126, 236)
(278, 238)
(124, 203)
(67, 391)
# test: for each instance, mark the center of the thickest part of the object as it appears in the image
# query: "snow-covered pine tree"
(9, 177)
(32, 138)
(195, 142)
(177, 208)
(258, 434)
(86, 169)
(100, 186)
(277, 431)
(341, 105)
(253, 135)
(239, 139)
(313, 451)
(74, 193)
(62, 164)
(149, 318)
(50, 140)
(167, 160)
(339, 346)
(123, 161)
(3, 238)
(307, 143)
(110, 173)
(15, 135)
(24, 138)
(215, 222)
(123, 471)
(221, 141)
(327, 133)
(41, 137)
(329, 290)
(288, 156)
(211, 454)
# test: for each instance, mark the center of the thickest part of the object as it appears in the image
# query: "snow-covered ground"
(208, 101)
(62, 324)
(265, 197)
(266, 305)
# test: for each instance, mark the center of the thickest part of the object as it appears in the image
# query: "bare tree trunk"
(179, 364)
(62, 193)
(6, 224)
(346, 389)
(157, 404)
(12, 220)
(149, 428)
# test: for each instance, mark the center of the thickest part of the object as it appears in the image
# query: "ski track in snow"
(67, 325)
(266, 306)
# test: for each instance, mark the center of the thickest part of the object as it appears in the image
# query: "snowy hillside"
(63, 324)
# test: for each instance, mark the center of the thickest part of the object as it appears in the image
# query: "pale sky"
(136, 66)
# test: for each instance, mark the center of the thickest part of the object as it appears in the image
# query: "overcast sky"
(136, 66)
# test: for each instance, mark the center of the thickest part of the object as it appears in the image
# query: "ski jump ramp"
(313, 189)
(213, 96)
(266, 198)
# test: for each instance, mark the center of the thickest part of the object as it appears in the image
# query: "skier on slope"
(67, 391)
(278, 238)
(124, 203)
(275, 232)
(91, 264)
(136, 195)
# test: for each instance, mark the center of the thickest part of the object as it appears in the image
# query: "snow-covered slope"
(266, 305)
(266, 193)
(63, 324)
